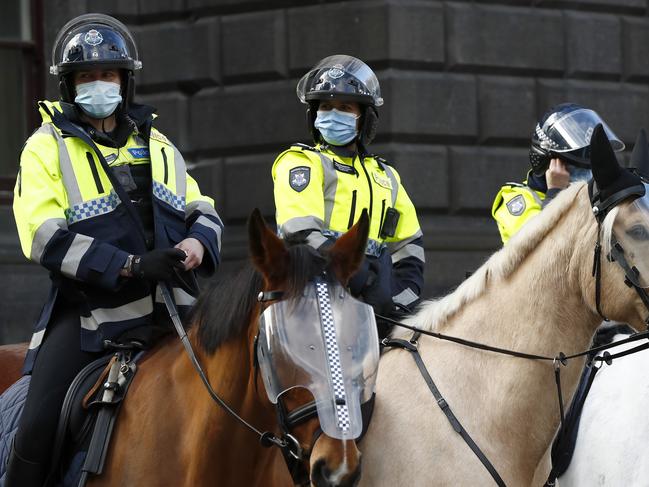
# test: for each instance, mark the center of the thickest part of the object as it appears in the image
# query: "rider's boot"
(23, 473)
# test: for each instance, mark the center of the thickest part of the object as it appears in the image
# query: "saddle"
(90, 409)
(563, 446)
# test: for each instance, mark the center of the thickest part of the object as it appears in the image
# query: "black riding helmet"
(344, 78)
(564, 132)
(93, 41)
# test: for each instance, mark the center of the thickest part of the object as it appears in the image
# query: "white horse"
(614, 425)
(535, 295)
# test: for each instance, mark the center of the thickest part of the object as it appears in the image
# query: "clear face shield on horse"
(631, 232)
(326, 342)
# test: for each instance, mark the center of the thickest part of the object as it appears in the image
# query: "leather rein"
(412, 346)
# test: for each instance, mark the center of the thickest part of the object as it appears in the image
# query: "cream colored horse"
(535, 295)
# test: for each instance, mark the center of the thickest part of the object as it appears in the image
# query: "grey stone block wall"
(463, 82)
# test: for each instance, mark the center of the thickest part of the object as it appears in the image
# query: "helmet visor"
(631, 230)
(343, 76)
(325, 342)
(565, 132)
(94, 40)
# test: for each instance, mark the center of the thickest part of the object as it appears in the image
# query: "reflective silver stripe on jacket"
(77, 250)
(409, 250)
(405, 297)
(329, 189)
(43, 235)
(394, 182)
(203, 206)
(65, 163)
(37, 339)
(206, 222)
(395, 247)
(181, 174)
(135, 309)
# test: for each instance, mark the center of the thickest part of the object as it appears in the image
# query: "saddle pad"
(11, 406)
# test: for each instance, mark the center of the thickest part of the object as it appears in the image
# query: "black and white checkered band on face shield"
(325, 342)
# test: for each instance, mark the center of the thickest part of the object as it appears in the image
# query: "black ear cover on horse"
(612, 183)
(640, 154)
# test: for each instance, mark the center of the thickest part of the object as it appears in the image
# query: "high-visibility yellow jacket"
(513, 206)
(79, 223)
(321, 193)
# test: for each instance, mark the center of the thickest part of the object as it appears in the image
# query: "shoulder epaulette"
(381, 161)
(516, 185)
(305, 147)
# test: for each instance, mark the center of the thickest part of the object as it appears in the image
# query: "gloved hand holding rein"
(156, 265)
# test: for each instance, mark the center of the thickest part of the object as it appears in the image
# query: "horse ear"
(267, 250)
(640, 154)
(606, 169)
(349, 250)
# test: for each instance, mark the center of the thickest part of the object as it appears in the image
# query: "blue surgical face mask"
(98, 99)
(336, 127)
(579, 173)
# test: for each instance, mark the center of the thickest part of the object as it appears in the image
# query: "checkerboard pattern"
(373, 247)
(92, 208)
(163, 193)
(333, 356)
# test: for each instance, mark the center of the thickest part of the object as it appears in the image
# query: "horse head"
(313, 374)
(621, 206)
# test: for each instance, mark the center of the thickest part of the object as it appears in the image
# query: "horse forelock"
(224, 311)
(503, 263)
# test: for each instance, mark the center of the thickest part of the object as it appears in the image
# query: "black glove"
(158, 264)
(378, 287)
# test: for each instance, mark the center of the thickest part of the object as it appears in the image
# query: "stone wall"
(463, 84)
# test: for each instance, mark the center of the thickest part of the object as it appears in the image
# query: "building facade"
(463, 83)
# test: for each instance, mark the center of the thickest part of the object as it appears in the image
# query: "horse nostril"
(320, 474)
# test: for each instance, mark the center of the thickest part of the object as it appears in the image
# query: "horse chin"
(335, 463)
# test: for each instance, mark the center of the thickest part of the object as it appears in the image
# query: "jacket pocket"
(352, 211)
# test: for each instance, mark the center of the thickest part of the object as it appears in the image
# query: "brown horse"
(11, 362)
(170, 432)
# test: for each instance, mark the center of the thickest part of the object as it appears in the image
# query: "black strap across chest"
(411, 346)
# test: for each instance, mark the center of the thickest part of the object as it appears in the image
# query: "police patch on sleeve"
(516, 206)
(299, 177)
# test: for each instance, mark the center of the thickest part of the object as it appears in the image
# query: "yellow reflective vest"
(513, 206)
(321, 193)
(80, 226)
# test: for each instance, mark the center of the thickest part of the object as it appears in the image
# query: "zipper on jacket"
(164, 158)
(381, 221)
(352, 211)
(95, 173)
(369, 184)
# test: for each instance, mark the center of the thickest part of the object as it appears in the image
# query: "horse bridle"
(294, 455)
(287, 443)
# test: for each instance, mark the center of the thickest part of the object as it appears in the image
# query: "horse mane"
(500, 265)
(223, 312)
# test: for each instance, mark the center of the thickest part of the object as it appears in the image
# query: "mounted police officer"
(102, 201)
(559, 154)
(320, 191)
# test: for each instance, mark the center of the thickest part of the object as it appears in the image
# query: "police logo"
(337, 71)
(93, 37)
(516, 205)
(299, 177)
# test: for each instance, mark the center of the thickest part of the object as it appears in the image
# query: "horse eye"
(638, 232)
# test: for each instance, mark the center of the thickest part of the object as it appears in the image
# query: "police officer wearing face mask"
(320, 191)
(559, 155)
(102, 201)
